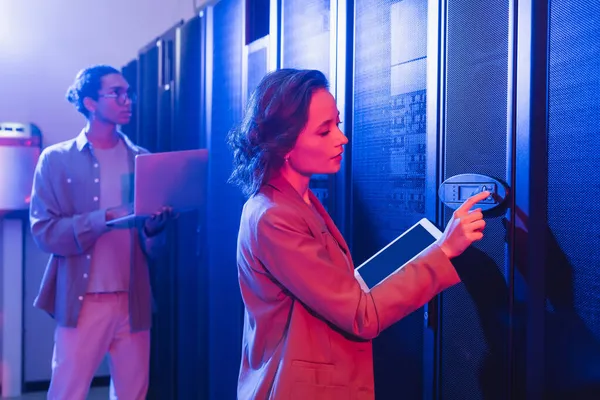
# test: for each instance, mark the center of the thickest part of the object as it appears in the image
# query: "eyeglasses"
(121, 97)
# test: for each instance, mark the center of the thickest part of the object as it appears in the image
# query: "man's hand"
(157, 221)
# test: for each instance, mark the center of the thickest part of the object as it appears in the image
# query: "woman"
(308, 324)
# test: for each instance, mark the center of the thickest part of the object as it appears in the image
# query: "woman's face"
(319, 147)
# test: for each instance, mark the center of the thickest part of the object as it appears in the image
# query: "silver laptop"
(176, 179)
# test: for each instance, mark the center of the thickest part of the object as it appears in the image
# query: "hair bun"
(72, 95)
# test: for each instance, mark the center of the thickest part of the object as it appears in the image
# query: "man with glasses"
(96, 284)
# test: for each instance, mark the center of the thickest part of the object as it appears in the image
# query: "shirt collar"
(82, 142)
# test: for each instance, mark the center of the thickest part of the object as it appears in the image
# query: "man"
(96, 284)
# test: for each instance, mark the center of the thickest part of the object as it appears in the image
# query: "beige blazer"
(308, 325)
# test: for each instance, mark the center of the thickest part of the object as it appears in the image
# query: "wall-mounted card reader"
(456, 189)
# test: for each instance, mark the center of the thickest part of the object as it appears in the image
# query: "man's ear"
(90, 104)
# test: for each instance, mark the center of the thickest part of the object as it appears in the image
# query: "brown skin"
(319, 149)
(110, 109)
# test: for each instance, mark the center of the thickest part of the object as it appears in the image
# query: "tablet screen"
(395, 255)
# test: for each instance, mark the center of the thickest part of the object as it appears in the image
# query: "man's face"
(114, 103)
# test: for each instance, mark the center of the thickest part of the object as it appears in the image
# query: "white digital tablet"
(397, 254)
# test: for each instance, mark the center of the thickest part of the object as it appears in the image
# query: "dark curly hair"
(276, 113)
(88, 83)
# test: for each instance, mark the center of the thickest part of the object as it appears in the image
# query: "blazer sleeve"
(301, 264)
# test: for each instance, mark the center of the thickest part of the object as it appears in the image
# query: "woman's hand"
(465, 227)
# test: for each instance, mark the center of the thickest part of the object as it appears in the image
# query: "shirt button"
(96, 180)
(68, 180)
(80, 298)
(95, 198)
(85, 276)
(88, 257)
(96, 165)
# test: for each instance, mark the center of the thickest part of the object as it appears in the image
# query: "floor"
(96, 393)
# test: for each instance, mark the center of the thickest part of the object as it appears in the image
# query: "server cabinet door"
(476, 136)
(190, 247)
(224, 96)
(572, 324)
(189, 104)
(391, 173)
(260, 52)
(158, 70)
(167, 54)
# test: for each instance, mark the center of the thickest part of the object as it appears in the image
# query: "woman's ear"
(287, 156)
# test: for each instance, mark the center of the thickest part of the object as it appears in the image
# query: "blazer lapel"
(330, 224)
(284, 187)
